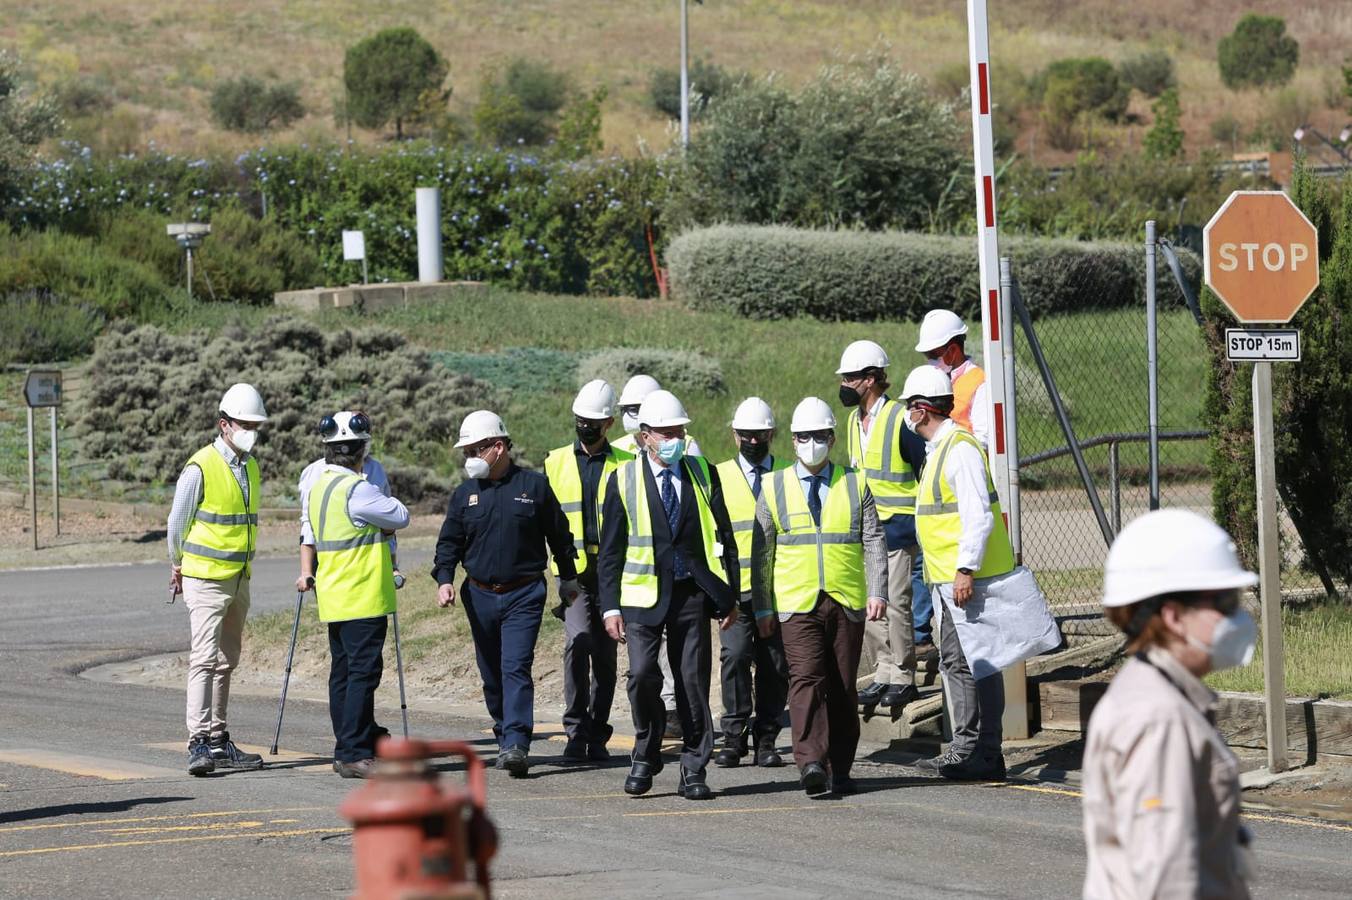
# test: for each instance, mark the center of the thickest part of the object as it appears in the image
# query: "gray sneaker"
(935, 763)
(226, 755)
(200, 761)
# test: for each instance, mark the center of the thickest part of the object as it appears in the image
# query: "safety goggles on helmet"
(360, 423)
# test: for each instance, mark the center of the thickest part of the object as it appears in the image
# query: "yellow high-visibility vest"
(741, 504)
(889, 476)
(939, 526)
(638, 584)
(221, 539)
(354, 578)
(563, 470)
(811, 559)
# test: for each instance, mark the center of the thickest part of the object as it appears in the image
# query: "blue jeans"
(505, 627)
(922, 605)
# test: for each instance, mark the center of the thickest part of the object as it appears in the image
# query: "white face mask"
(477, 466)
(630, 423)
(910, 424)
(243, 439)
(941, 365)
(812, 453)
(1232, 643)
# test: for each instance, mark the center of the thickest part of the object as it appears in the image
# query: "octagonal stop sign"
(1261, 255)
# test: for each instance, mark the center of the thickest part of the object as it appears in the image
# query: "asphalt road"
(94, 800)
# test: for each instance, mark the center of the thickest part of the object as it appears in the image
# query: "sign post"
(42, 388)
(1262, 260)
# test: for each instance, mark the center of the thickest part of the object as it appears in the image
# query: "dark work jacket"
(689, 537)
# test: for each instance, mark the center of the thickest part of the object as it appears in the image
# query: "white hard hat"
(637, 389)
(661, 409)
(479, 426)
(345, 426)
(812, 414)
(244, 403)
(1167, 551)
(753, 414)
(596, 400)
(926, 381)
(862, 355)
(938, 328)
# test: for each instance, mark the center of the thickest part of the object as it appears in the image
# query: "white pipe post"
(428, 202)
(685, 75)
(56, 478)
(32, 477)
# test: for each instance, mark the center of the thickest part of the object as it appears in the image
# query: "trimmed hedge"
(774, 272)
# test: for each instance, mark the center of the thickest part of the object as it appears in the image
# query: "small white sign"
(354, 245)
(1262, 344)
(42, 389)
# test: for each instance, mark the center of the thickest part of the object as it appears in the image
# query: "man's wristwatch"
(964, 570)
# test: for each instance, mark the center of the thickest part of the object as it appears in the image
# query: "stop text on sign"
(1273, 257)
(1262, 344)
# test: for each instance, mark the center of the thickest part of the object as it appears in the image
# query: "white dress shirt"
(965, 471)
(371, 468)
(866, 430)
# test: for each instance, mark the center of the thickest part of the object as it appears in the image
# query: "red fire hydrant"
(414, 835)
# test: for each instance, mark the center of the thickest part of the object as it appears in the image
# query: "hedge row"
(773, 272)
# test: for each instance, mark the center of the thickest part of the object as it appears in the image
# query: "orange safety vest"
(964, 391)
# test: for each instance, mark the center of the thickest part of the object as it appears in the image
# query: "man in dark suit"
(666, 562)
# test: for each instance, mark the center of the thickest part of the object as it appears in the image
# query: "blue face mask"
(671, 450)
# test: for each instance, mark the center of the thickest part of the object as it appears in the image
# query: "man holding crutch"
(354, 586)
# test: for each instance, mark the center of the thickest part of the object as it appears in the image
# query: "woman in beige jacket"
(1161, 788)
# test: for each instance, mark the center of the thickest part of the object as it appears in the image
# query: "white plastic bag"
(1006, 621)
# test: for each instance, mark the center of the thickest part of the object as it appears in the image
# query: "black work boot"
(226, 755)
(199, 756)
(734, 748)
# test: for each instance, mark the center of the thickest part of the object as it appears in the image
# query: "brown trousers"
(822, 648)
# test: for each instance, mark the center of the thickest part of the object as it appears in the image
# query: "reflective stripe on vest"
(890, 477)
(741, 505)
(354, 578)
(964, 392)
(638, 584)
(562, 468)
(939, 526)
(221, 539)
(809, 559)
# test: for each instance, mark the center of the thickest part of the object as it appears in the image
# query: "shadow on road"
(78, 809)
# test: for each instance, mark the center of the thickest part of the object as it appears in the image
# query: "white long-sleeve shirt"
(368, 505)
(965, 472)
(188, 493)
(370, 467)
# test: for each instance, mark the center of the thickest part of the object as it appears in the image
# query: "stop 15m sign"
(1261, 256)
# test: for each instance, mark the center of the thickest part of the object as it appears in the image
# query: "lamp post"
(685, 75)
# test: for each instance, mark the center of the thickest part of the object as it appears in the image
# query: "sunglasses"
(471, 452)
(803, 437)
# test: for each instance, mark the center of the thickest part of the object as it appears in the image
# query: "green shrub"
(707, 82)
(250, 105)
(1075, 92)
(82, 270)
(519, 103)
(1151, 72)
(387, 75)
(42, 328)
(771, 273)
(26, 120)
(676, 370)
(1258, 53)
(1164, 140)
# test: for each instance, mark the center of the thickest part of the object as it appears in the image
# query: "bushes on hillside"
(40, 328)
(771, 272)
(677, 370)
(250, 105)
(155, 397)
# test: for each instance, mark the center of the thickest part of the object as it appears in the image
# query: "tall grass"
(1317, 654)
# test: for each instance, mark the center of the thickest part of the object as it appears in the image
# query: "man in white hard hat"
(498, 524)
(213, 530)
(765, 692)
(578, 472)
(352, 571)
(943, 340)
(962, 531)
(890, 456)
(1161, 788)
(668, 560)
(819, 568)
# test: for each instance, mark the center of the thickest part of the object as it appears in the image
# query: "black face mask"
(754, 453)
(590, 433)
(849, 396)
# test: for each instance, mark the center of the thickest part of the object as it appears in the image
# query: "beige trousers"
(891, 639)
(216, 614)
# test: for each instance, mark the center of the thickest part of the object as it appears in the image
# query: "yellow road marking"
(165, 829)
(169, 818)
(1288, 820)
(252, 835)
(1039, 789)
(90, 766)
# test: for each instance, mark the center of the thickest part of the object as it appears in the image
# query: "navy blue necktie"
(756, 481)
(814, 500)
(673, 509)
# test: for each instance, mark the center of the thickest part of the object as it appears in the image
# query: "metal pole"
(1270, 583)
(427, 202)
(685, 75)
(32, 478)
(399, 665)
(56, 479)
(188, 250)
(1013, 504)
(1152, 356)
(286, 679)
(363, 270)
(1115, 485)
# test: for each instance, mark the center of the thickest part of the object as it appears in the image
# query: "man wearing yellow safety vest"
(943, 340)
(668, 558)
(966, 545)
(819, 568)
(889, 456)
(355, 589)
(213, 530)
(743, 477)
(578, 473)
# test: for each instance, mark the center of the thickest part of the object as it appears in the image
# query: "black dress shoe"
(844, 784)
(692, 786)
(898, 695)
(575, 751)
(729, 757)
(975, 768)
(767, 757)
(640, 779)
(870, 695)
(815, 779)
(515, 761)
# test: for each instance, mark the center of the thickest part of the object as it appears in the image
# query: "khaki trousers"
(216, 614)
(891, 639)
